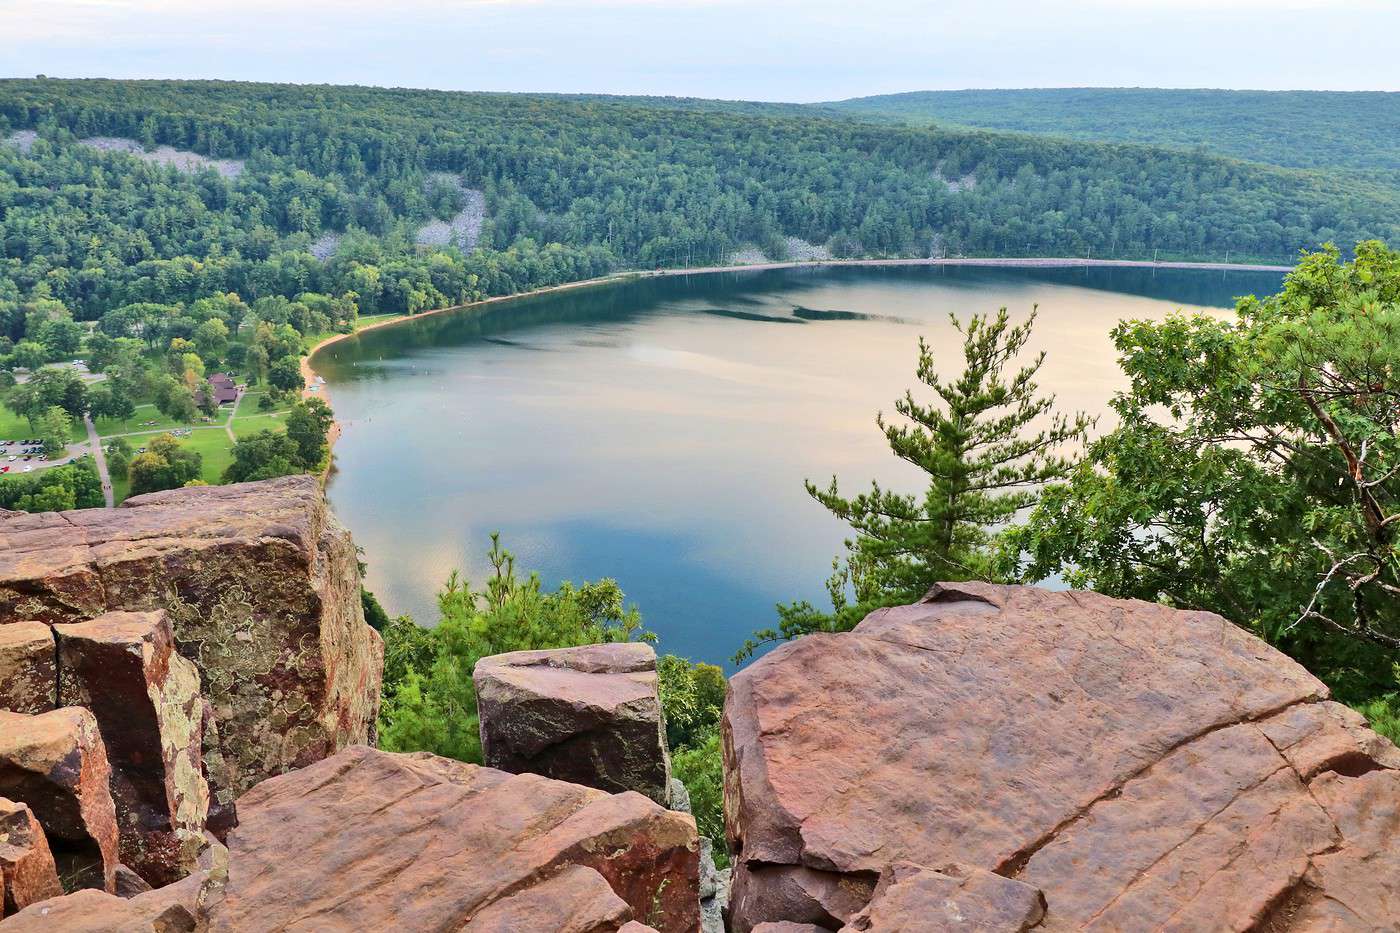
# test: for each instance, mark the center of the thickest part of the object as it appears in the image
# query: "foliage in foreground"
(1256, 473)
(430, 701)
(74, 486)
(692, 700)
(164, 465)
(301, 448)
(988, 443)
(701, 769)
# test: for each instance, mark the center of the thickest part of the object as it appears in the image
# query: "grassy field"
(275, 421)
(137, 423)
(250, 420)
(214, 448)
(15, 427)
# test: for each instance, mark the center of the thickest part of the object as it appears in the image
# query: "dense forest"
(1300, 129)
(576, 186)
(166, 230)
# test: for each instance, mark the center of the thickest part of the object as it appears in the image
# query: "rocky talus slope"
(187, 697)
(591, 715)
(162, 658)
(1005, 758)
(261, 587)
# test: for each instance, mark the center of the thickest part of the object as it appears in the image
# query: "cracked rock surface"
(262, 589)
(1133, 766)
(414, 842)
(145, 697)
(590, 715)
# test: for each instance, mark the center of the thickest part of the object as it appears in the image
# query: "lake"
(659, 431)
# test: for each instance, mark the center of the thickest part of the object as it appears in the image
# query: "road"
(228, 425)
(101, 457)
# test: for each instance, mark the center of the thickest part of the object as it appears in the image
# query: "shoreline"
(308, 372)
(993, 262)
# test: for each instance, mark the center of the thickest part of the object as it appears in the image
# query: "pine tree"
(985, 459)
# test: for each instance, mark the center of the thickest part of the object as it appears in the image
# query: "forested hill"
(415, 199)
(1302, 129)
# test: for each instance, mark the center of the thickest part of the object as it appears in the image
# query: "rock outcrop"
(914, 899)
(27, 871)
(377, 834)
(369, 840)
(28, 674)
(588, 715)
(56, 764)
(262, 588)
(146, 698)
(182, 907)
(1125, 765)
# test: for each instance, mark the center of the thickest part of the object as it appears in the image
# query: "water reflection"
(632, 431)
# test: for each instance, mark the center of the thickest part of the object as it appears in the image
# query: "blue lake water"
(659, 431)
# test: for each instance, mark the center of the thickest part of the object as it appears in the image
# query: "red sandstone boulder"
(28, 677)
(588, 715)
(914, 899)
(99, 912)
(130, 884)
(263, 590)
(55, 762)
(123, 667)
(577, 899)
(27, 872)
(369, 840)
(1137, 766)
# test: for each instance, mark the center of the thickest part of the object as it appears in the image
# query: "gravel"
(23, 140)
(165, 155)
(463, 230)
(325, 247)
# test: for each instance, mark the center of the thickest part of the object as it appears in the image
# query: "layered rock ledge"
(590, 715)
(992, 750)
(369, 840)
(261, 585)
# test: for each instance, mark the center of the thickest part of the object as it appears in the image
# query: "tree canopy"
(1254, 472)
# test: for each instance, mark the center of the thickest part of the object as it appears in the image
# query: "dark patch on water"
(750, 316)
(817, 314)
(513, 344)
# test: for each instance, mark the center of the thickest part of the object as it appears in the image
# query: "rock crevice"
(1130, 764)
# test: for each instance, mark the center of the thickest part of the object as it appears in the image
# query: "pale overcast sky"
(796, 50)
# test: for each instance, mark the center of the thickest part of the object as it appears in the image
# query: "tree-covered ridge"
(620, 183)
(1302, 129)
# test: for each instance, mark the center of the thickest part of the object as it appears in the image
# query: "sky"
(790, 50)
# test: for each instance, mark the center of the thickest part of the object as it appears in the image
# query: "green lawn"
(15, 427)
(215, 451)
(255, 423)
(248, 408)
(107, 427)
(363, 321)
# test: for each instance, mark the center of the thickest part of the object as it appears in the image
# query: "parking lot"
(25, 455)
